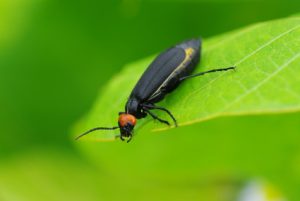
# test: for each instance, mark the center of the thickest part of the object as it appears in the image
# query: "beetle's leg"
(130, 137)
(206, 72)
(151, 107)
(157, 118)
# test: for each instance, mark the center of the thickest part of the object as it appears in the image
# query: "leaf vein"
(240, 61)
(263, 82)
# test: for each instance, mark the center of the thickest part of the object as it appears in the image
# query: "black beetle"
(164, 74)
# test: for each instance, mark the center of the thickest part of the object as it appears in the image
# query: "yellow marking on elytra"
(189, 51)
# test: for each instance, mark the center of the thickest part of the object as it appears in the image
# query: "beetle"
(168, 70)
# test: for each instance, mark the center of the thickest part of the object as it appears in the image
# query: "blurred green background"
(55, 55)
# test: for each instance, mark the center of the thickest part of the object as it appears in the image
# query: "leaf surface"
(267, 57)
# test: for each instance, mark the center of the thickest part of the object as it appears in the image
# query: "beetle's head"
(126, 124)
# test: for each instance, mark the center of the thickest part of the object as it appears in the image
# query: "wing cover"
(157, 73)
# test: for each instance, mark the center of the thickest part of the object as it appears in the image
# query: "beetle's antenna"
(95, 129)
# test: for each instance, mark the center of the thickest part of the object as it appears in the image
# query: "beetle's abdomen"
(157, 73)
(164, 73)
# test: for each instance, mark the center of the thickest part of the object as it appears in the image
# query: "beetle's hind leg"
(206, 72)
(154, 107)
(157, 118)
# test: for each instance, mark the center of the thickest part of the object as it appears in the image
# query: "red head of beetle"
(126, 125)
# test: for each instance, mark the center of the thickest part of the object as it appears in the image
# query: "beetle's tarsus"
(130, 137)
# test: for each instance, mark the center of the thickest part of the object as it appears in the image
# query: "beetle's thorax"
(133, 107)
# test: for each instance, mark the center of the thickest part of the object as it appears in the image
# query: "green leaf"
(262, 146)
(267, 57)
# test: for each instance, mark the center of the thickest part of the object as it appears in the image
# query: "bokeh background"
(55, 55)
